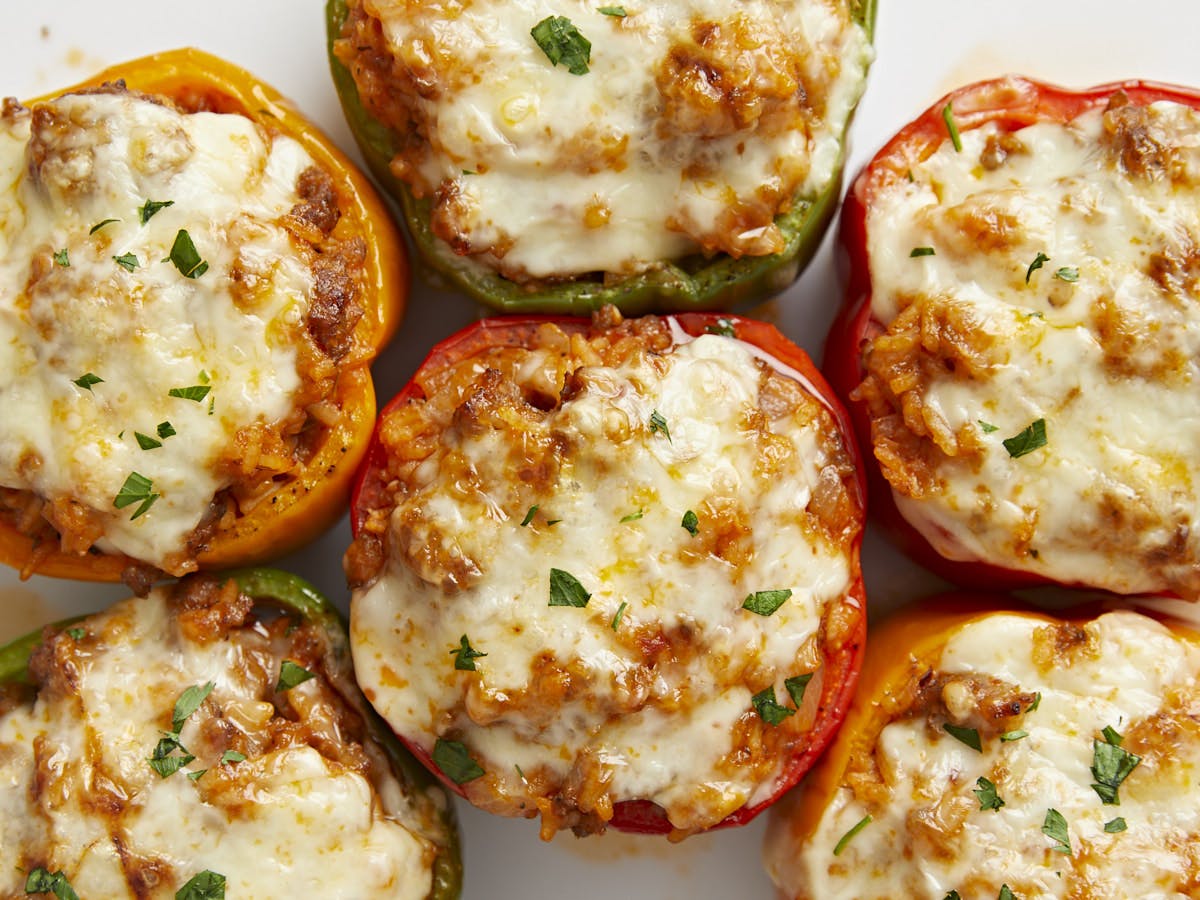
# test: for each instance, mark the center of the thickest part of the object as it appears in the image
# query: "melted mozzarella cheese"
(1065, 278)
(78, 795)
(143, 328)
(618, 721)
(640, 159)
(1137, 677)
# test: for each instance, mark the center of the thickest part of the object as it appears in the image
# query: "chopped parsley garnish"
(1009, 736)
(164, 761)
(185, 256)
(292, 674)
(1111, 765)
(987, 427)
(196, 775)
(146, 442)
(101, 224)
(1069, 274)
(768, 708)
(208, 885)
(77, 634)
(724, 328)
(136, 489)
(1031, 438)
(232, 756)
(1037, 701)
(633, 516)
(147, 210)
(165, 430)
(465, 655)
(455, 762)
(952, 127)
(618, 11)
(796, 685)
(764, 603)
(952, 895)
(565, 590)
(986, 792)
(127, 261)
(658, 423)
(1005, 893)
(969, 736)
(691, 523)
(189, 701)
(617, 616)
(62, 258)
(1116, 826)
(849, 835)
(39, 881)
(562, 43)
(1055, 828)
(529, 515)
(195, 392)
(88, 379)
(921, 251)
(1038, 261)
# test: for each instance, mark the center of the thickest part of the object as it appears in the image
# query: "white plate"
(925, 48)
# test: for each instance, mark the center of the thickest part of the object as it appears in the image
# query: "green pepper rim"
(691, 284)
(294, 594)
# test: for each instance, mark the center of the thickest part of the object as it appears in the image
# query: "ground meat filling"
(263, 456)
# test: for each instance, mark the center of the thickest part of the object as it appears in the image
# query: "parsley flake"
(1009, 736)
(529, 515)
(40, 881)
(849, 835)
(101, 224)
(691, 523)
(658, 423)
(185, 256)
(1115, 826)
(562, 43)
(127, 261)
(1032, 437)
(796, 685)
(1111, 765)
(197, 775)
(165, 430)
(1005, 893)
(136, 489)
(921, 251)
(1055, 828)
(189, 701)
(565, 590)
(1037, 701)
(1069, 274)
(77, 634)
(768, 708)
(986, 792)
(62, 258)
(86, 381)
(952, 128)
(147, 210)
(146, 442)
(724, 328)
(292, 674)
(952, 895)
(617, 11)
(617, 616)
(455, 762)
(232, 756)
(195, 392)
(465, 655)
(633, 516)
(969, 736)
(987, 427)
(164, 760)
(1038, 261)
(208, 885)
(764, 603)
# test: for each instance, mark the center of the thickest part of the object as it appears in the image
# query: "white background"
(925, 48)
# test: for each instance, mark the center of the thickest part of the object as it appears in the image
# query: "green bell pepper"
(294, 596)
(685, 285)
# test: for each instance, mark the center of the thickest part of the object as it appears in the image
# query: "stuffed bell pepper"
(658, 156)
(606, 572)
(1022, 339)
(998, 753)
(193, 283)
(209, 738)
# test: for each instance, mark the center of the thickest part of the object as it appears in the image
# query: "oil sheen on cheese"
(80, 298)
(929, 836)
(545, 173)
(1062, 289)
(612, 520)
(78, 795)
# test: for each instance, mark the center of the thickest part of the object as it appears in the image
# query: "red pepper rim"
(841, 664)
(1011, 103)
